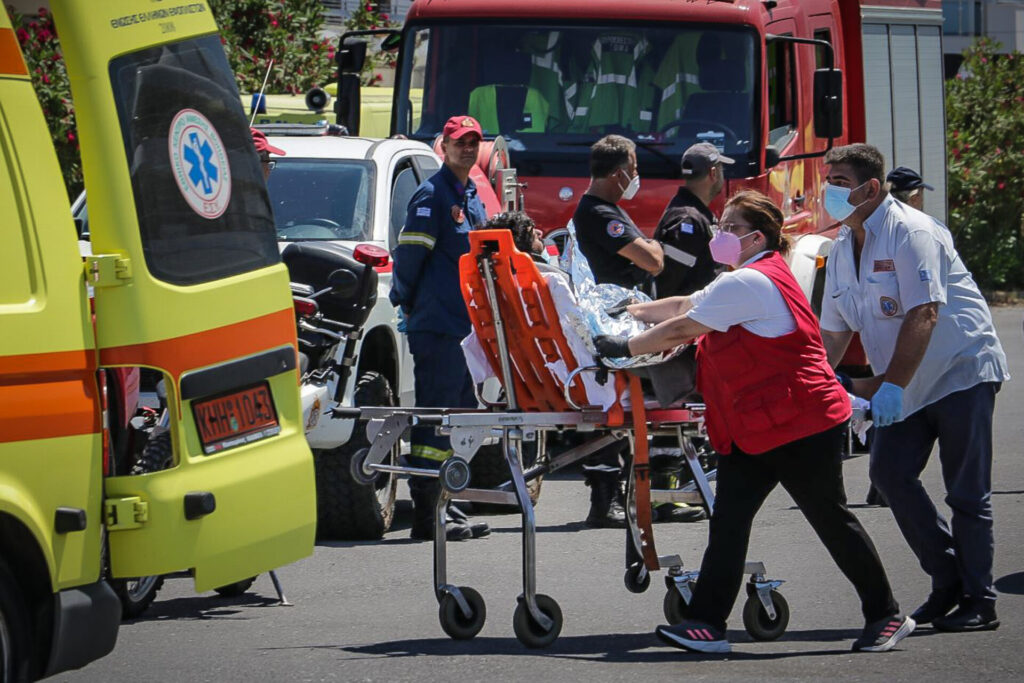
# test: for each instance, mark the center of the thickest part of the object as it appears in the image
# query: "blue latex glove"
(887, 405)
(401, 321)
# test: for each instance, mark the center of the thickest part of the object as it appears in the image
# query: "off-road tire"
(346, 509)
(138, 594)
(489, 470)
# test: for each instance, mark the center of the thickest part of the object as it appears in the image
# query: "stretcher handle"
(571, 378)
(487, 272)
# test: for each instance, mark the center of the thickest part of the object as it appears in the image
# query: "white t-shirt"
(745, 297)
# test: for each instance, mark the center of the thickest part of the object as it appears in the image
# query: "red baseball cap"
(259, 141)
(457, 126)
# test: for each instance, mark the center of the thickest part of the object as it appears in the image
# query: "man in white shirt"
(895, 277)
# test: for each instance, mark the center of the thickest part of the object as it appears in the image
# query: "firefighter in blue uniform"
(425, 284)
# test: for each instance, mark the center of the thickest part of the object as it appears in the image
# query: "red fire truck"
(771, 83)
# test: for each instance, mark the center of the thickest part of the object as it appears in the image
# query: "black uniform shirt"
(602, 229)
(685, 228)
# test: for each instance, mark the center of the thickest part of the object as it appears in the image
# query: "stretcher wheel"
(674, 606)
(454, 474)
(454, 622)
(356, 466)
(637, 578)
(756, 620)
(528, 631)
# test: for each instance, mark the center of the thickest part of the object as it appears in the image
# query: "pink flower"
(315, 46)
(46, 79)
(369, 7)
(1002, 186)
(71, 136)
(22, 35)
(384, 17)
(273, 22)
(378, 77)
(42, 12)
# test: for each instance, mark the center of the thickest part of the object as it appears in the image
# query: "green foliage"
(38, 40)
(286, 31)
(370, 16)
(985, 140)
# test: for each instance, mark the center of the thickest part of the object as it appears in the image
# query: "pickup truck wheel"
(137, 594)
(489, 470)
(346, 509)
(15, 630)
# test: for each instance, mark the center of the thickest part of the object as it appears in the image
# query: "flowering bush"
(368, 16)
(38, 39)
(287, 31)
(985, 141)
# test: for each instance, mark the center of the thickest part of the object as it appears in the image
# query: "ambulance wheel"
(15, 630)
(235, 589)
(528, 631)
(347, 508)
(757, 622)
(637, 578)
(674, 606)
(490, 471)
(454, 622)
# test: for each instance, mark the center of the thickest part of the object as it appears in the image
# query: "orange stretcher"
(517, 324)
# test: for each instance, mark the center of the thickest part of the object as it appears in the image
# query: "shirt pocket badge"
(457, 215)
(884, 293)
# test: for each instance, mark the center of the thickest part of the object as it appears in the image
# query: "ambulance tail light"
(304, 308)
(371, 255)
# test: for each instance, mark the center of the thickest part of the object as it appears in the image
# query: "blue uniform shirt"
(425, 280)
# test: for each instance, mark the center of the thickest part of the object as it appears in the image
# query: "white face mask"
(632, 188)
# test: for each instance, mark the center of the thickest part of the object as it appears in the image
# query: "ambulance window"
(781, 91)
(201, 202)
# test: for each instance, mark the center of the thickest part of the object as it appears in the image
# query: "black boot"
(668, 475)
(606, 510)
(424, 493)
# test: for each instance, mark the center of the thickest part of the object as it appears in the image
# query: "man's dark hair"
(519, 223)
(609, 153)
(865, 160)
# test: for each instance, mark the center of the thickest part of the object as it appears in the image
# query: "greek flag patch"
(423, 212)
(924, 275)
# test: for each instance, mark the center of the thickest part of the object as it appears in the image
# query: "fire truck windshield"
(552, 91)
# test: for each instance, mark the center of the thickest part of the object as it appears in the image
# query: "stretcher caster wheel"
(356, 466)
(674, 606)
(454, 622)
(528, 631)
(757, 622)
(637, 578)
(454, 474)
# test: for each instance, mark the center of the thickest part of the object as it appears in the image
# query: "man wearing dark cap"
(264, 149)
(425, 284)
(906, 185)
(685, 228)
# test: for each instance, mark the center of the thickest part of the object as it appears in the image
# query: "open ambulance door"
(188, 281)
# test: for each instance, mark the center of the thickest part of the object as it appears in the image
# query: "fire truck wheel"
(345, 508)
(489, 470)
(15, 630)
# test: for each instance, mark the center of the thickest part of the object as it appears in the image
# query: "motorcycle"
(334, 289)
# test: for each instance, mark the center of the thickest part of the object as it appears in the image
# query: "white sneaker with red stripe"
(882, 635)
(695, 636)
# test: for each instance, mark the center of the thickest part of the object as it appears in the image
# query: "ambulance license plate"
(236, 419)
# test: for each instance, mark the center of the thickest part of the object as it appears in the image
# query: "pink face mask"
(726, 247)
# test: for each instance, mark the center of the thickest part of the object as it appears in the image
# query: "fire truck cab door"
(188, 281)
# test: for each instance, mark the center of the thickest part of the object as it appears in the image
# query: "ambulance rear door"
(188, 281)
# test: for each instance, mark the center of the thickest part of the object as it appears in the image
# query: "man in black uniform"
(618, 253)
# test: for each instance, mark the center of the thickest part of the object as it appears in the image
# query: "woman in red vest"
(776, 415)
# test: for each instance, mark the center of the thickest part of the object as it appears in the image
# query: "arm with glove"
(661, 337)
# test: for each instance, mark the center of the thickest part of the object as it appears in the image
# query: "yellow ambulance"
(185, 279)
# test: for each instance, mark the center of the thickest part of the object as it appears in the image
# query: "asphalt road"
(366, 611)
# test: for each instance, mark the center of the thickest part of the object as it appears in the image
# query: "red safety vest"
(762, 393)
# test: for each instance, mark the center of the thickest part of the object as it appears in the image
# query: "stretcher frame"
(491, 274)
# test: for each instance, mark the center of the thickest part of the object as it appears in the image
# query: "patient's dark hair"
(519, 223)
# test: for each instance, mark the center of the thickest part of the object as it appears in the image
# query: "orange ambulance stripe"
(48, 395)
(11, 61)
(202, 349)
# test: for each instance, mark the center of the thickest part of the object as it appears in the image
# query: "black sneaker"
(695, 636)
(882, 635)
(938, 604)
(679, 513)
(969, 617)
(460, 518)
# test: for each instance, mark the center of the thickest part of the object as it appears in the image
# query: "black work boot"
(606, 510)
(971, 615)
(424, 493)
(669, 478)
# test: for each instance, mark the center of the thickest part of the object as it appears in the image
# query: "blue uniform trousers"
(962, 424)
(442, 380)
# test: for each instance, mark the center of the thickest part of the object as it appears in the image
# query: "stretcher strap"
(642, 477)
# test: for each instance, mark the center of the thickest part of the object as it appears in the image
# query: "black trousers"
(810, 469)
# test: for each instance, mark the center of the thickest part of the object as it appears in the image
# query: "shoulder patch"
(686, 227)
(925, 275)
(616, 228)
(423, 211)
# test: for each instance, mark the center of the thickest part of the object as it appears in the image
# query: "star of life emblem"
(199, 163)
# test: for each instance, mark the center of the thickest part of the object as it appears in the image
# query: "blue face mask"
(837, 201)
